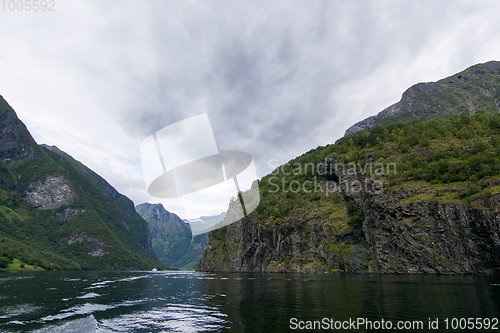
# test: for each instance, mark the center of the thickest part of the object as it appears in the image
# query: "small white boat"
(154, 270)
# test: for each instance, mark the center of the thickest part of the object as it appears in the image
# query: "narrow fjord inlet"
(241, 166)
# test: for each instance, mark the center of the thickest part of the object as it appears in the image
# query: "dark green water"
(197, 302)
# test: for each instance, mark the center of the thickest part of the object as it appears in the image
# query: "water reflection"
(267, 302)
(197, 302)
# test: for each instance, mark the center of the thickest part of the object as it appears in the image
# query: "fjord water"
(199, 302)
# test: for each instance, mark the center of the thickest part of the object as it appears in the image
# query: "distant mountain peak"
(475, 89)
(177, 242)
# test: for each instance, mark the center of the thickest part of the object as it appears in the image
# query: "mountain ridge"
(474, 89)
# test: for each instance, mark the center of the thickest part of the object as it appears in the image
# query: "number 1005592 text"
(28, 5)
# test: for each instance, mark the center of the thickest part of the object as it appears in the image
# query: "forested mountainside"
(405, 197)
(57, 214)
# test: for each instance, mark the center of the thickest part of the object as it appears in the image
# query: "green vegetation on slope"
(80, 226)
(462, 150)
(453, 159)
(137, 225)
(39, 237)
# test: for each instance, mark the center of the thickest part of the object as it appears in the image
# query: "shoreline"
(22, 269)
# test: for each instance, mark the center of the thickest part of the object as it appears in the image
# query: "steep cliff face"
(53, 214)
(431, 236)
(475, 89)
(399, 233)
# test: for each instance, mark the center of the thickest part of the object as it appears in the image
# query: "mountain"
(134, 221)
(418, 197)
(470, 91)
(58, 214)
(205, 224)
(173, 241)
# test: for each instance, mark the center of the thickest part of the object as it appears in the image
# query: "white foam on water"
(101, 284)
(7, 312)
(165, 316)
(171, 318)
(105, 283)
(80, 309)
(14, 278)
(89, 295)
(81, 325)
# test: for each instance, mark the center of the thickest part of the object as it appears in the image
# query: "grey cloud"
(271, 87)
(276, 78)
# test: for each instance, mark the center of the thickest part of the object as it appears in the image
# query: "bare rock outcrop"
(51, 192)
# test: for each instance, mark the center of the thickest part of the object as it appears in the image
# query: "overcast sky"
(96, 78)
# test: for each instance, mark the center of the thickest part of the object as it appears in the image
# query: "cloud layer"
(276, 79)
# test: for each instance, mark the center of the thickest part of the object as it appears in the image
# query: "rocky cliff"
(58, 214)
(404, 229)
(475, 89)
(403, 197)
